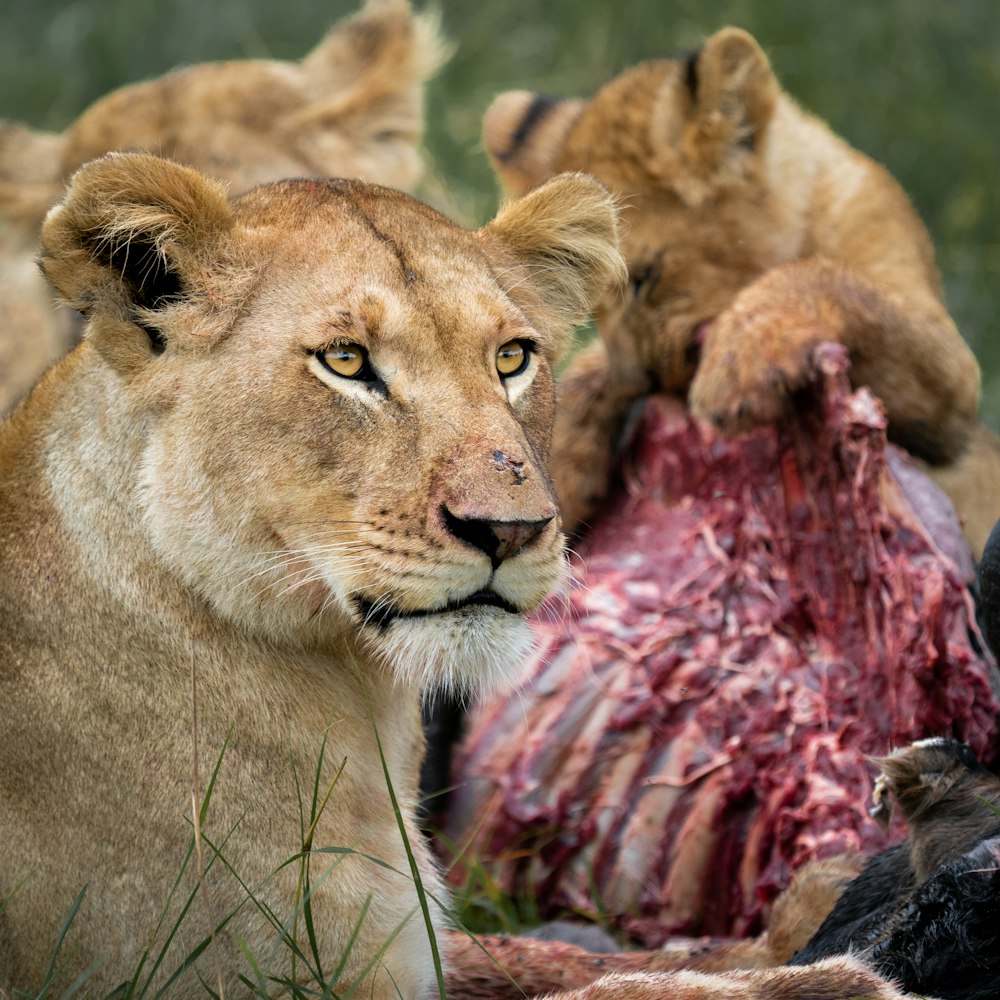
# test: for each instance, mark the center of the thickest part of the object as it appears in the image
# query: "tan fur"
(833, 979)
(192, 497)
(752, 233)
(353, 107)
(514, 966)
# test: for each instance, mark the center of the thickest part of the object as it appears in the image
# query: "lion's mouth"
(381, 614)
(695, 344)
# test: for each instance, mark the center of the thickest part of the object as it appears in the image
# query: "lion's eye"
(641, 278)
(347, 361)
(513, 357)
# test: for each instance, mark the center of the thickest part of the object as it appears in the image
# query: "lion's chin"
(468, 650)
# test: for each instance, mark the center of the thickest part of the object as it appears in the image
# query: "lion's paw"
(753, 361)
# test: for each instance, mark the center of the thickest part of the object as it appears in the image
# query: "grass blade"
(53, 969)
(418, 882)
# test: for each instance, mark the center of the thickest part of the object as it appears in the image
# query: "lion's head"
(684, 143)
(353, 107)
(329, 406)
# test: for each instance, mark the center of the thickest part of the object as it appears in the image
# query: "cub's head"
(353, 107)
(686, 144)
(340, 402)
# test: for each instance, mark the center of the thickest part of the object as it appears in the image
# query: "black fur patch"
(940, 936)
(946, 941)
(148, 279)
(866, 907)
(691, 72)
(539, 108)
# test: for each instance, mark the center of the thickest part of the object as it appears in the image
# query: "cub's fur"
(834, 979)
(752, 232)
(353, 107)
(289, 478)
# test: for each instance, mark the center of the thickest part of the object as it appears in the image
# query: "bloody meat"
(751, 620)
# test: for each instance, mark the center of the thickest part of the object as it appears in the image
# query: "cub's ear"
(734, 91)
(563, 237)
(364, 87)
(367, 74)
(385, 47)
(30, 174)
(524, 135)
(144, 244)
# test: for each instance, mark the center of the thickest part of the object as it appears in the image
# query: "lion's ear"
(564, 236)
(733, 90)
(524, 134)
(363, 89)
(369, 71)
(139, 243)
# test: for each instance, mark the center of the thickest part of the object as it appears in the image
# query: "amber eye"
(513, 357)
(346, 360)
(641, 278)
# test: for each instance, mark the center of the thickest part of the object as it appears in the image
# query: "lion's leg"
(759, 352)
(833, 979)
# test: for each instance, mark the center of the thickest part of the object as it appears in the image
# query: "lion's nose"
(498, 539)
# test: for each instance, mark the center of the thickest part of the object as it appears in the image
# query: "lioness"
(352, 107)
(295, 472)
(752, 232)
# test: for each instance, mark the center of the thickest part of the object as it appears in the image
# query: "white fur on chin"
(468, 652)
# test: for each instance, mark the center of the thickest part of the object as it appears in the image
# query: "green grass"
(912, 82)
(480, 906)
(314, 972)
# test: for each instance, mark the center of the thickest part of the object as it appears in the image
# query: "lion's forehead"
(445, 310)
(339, 210)
(625, 127)
(357, 228)
(409, 281)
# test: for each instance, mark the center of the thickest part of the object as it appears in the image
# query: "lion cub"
(752, 233)
(353, 107)
(295, 473)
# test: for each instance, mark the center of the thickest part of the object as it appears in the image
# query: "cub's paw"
(751, 367)
(758, 354)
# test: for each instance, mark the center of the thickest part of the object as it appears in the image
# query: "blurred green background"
(914, 83)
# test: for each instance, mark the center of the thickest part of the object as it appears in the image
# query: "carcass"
(752, 620)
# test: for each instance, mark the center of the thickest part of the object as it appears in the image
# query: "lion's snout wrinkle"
(505, 463)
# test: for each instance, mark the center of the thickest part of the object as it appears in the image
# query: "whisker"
(272, 561)
(377, 608)
(309, 572)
